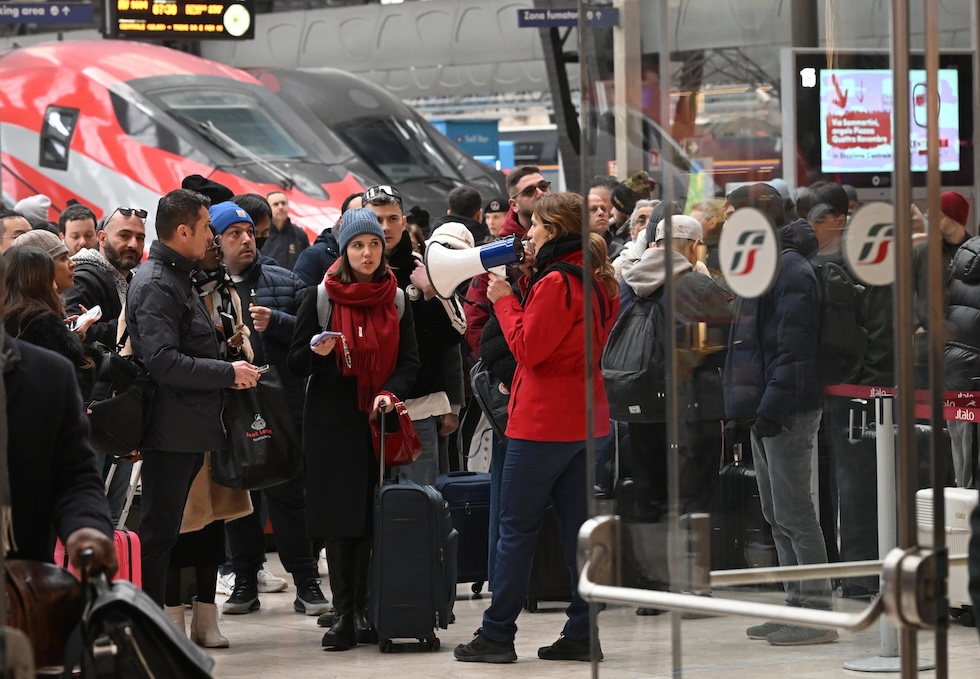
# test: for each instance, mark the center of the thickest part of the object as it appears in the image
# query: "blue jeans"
(537, 474)
(425, 469)
(497, 456)
(783, 467)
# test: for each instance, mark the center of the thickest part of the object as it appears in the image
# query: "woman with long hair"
(376, 353)
(545, 463)
(34, 311)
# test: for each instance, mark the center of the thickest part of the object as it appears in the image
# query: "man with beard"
(102, 275)
(278, 293)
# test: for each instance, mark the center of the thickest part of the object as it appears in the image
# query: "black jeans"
(286, 504)
(166, 478)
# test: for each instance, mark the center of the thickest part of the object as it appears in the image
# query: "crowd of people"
(230, 284)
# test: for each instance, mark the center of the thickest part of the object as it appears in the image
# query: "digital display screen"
(169, 20)
(857, 124)
(844, 113)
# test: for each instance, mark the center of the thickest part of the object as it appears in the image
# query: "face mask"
(259, 242)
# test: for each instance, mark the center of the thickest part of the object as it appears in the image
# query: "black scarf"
(553, 249)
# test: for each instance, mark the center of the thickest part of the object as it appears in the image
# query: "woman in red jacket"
(545, 463)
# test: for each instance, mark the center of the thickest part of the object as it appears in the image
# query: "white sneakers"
(267, 583)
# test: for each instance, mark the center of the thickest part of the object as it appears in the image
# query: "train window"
(243, 127)
(400, 149)
(59, 126)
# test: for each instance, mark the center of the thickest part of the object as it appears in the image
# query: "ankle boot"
(176, 613)
(363, 627)
(204, 626)
(341, 559)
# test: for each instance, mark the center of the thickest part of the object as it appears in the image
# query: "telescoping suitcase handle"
(381, 447)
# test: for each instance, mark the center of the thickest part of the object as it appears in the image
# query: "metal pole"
(936, 337)
(904, 359)
(587, 293)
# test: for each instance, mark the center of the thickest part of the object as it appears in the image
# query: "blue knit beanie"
(357, 222)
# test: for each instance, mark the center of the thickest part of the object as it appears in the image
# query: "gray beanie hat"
(35, 208)
(41, 238)
(357, 222)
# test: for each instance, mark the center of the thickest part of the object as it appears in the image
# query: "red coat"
(547, 401)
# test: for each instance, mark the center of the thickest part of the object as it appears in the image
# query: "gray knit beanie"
(357, 222)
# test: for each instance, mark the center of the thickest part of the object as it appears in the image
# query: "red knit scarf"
(366, 314)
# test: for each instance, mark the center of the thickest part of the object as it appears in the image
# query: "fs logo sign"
(749, 252)
(749, 245)
(869, 244)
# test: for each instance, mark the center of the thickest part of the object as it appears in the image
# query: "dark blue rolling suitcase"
(468, 496)
(413, 568)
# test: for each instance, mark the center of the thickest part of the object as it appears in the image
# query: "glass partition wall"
(790, 383)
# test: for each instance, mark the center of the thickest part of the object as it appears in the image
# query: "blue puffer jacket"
(282, 291)
(773, 341)
(314, 261)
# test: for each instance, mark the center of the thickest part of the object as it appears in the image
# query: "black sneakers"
(244, 598)
(567, 649)
(310, 599)
(482, 649)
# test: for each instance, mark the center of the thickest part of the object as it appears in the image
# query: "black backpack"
(633, 363)
(843, 337)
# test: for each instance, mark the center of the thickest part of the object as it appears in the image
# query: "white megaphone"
(448, 268)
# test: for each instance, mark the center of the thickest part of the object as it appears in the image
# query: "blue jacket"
(773, 342)
(314, 261)
(282, 291)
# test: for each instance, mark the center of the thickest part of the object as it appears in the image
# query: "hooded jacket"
(314, 261)
(962, 352)
(97, 282)
(773, 342)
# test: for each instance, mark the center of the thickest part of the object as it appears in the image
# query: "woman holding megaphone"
(354, 344)
(545, 463)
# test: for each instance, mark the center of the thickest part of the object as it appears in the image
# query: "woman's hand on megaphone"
(498, 288)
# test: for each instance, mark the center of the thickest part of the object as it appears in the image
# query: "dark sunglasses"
(128, 212)
(529, 191)
(382, 191)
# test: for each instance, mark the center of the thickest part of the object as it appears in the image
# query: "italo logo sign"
(749, 252)
(869, 243)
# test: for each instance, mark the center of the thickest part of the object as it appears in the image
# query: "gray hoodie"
(649, 273)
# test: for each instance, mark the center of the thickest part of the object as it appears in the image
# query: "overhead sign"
(869, 243)
(170, 20)
(749, 252)
(566, 16)
(46, 13)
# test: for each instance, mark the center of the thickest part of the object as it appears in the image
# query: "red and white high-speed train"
(114, 123)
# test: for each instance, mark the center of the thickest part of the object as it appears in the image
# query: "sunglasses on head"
(529, 191)
(129, 212)
(382, 191)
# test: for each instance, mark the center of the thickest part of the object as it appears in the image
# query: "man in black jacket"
(286, 240)
(466, 208)
(278, 293)
(172, 335)
(436, 398)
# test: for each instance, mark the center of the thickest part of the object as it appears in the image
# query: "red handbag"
(401, 444)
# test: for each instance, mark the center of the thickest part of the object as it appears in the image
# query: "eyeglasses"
(529, 191)
(382, 191)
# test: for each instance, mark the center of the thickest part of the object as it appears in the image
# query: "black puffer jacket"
(44, 329)
(495, 353)
(313, 262)
(962, 353)
(95, 283)
(282, 291)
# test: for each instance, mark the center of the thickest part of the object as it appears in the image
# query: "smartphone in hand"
(93, 314)
(325, 335)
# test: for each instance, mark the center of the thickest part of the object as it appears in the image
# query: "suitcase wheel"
(430, 644)
(476, 588)
(964, 616)
(385, 645)
(532, 605)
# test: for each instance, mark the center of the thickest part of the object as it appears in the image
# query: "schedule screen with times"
(168, 20)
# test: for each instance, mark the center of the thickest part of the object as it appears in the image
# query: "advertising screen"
(856, 120)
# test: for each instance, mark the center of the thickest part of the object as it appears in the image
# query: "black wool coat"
(341, 469)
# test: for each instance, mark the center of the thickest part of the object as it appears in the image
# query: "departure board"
(169, 20)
